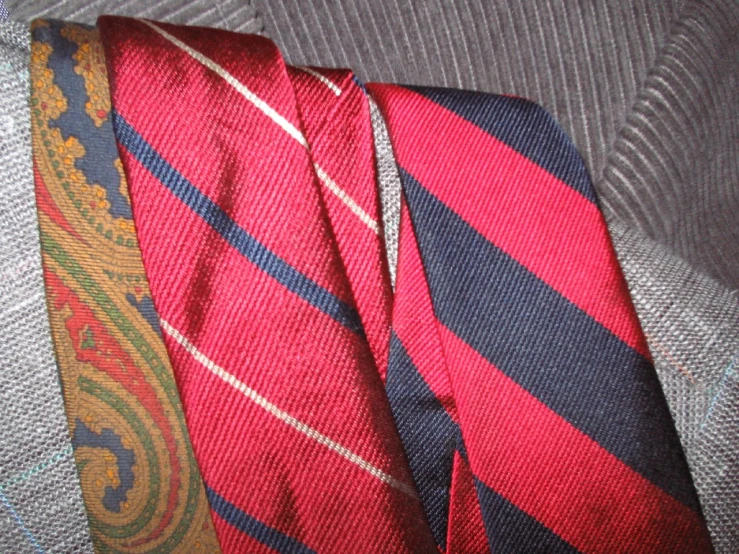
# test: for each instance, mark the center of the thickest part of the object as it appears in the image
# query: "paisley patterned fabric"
(141, 485)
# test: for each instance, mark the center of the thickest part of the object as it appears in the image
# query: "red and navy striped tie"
(500, 399)
(537, 354)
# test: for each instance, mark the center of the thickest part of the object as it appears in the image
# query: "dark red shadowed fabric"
(500, 399)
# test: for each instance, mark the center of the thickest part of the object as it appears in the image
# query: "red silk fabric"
(471, 409)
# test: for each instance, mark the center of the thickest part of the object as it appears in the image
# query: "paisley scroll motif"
(141, 484)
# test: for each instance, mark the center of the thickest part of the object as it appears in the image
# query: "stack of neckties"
(296, 313)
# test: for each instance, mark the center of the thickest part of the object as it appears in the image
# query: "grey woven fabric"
(3, 11)
(389, 183)
(680, 144)
(647, 90)
(692, 326)
(234, 15)
(41, 507)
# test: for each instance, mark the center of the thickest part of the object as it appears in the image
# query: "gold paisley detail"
(140, 482)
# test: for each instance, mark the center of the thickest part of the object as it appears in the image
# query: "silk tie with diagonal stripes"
(500, 399)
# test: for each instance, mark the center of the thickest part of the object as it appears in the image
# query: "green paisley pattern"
(142, 488)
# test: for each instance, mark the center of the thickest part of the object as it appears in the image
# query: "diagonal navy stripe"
(236, 236)
(428, 433)
(512, 530)
(511, 120)
(251, 526)
(548, 345)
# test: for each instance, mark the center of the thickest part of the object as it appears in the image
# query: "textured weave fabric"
(646, 90)
(235, 15)
(41, 507)
(692, 325)
(389, 185)
(560, 435)
(140, 481)
(4, 14)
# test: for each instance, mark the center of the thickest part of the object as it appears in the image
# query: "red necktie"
(564, 432)
(501, 399)
(284, 401)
